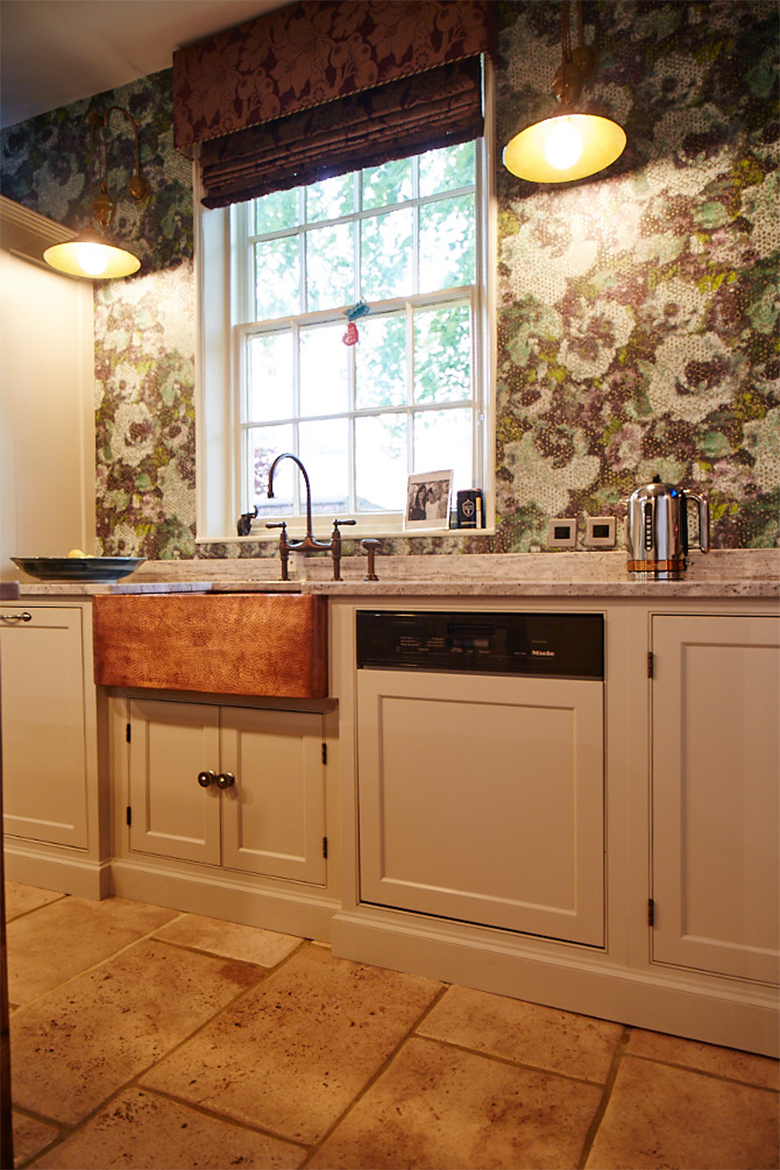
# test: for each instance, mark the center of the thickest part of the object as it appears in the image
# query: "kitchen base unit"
(54, 777)
(224, 812)
(436, 888)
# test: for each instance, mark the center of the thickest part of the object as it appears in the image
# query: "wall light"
(573, 143)
(92, 254)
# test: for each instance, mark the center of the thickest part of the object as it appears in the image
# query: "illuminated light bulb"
(93, 258)
(563, 145)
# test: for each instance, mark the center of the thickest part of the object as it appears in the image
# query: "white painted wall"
(47, 423)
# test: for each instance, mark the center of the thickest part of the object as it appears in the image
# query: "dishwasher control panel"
(555, 645)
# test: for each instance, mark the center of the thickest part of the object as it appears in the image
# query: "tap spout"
(308, 540)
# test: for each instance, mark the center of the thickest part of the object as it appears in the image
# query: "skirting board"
(68, 875)
(301, 913)
(674, 1003)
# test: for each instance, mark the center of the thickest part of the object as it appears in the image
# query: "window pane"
(277, 278)
(330, 280)
(447, 250)
(269, 361)
(324, 451)
(275, 212)
(381, 462)
(331, 198)
(324, 370)
(442, 354)
(442, 439)
(390, 183)
(380, 362)
(445, 169)
(386, 255)
(264, 444)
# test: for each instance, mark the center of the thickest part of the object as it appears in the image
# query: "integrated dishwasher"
(481, 768)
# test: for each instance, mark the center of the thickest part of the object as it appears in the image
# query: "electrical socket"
(561, 533)
(600, 532)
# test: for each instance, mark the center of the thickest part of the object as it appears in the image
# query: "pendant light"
(92, 254)
(571, 143)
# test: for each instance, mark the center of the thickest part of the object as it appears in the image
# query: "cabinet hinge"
(324, 753)
(325, 847)
(127, 733)
(129, 815)
(650, 664)
(650, 912)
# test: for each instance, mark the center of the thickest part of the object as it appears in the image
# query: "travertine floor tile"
(20, 899)
(577, 1046)
(140, 1129)
(659, 1116)
(437, 1106)
(78, 1044)
(723, 1062)
(70, 936)
(294, 1052)
(247, 943)
(30, 1136)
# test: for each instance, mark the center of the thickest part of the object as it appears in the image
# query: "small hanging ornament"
(361, 309)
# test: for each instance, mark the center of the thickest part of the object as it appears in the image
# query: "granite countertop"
(733, 573)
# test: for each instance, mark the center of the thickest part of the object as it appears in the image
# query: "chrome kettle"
(657, 530)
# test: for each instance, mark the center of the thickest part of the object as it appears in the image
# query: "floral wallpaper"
(637, 316)
(637, 326)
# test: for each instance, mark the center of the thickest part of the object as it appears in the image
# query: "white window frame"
(220, 494)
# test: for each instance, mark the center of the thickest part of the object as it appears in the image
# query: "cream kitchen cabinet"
(44, 724)
(55, 831)
(716, 794)
(241, 788)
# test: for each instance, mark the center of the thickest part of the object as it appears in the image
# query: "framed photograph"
(428, 500)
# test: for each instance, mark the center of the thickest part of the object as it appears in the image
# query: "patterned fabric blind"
(322, 86)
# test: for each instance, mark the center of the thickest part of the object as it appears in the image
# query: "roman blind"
(321, 87)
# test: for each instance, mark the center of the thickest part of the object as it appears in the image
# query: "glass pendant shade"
(563, 148)
(91, 256)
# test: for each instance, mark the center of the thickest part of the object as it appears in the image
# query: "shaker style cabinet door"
(482, 799)
(273, 817)
(171, 746)
(44, 724)
(716, 794)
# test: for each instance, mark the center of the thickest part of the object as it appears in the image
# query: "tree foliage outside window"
(407, 397)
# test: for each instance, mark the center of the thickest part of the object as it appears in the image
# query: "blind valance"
(307, 90)
(433, 109)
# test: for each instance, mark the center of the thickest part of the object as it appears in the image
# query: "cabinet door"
(274, 816)
(716, 785)
(44, 725)
(482, 799)
(170, 745)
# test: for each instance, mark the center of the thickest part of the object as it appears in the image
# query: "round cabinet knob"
(225, 780)
(206, 778)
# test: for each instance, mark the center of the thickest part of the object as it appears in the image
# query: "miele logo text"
(542, 653)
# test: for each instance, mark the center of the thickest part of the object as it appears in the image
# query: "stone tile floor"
(142, 1037)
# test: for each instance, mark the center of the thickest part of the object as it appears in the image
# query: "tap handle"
(370, 545)
(341, 523)
(284, 547)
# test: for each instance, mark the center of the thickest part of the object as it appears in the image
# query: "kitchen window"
(279, 275)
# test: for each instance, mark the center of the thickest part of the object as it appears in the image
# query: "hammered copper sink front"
(239, 644)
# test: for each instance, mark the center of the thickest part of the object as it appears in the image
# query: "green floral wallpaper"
(637, 317)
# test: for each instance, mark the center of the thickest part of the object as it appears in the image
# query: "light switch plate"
(600, 532)
(561, 533)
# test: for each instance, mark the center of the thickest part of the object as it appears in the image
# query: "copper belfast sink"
(238, 644)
